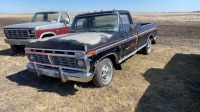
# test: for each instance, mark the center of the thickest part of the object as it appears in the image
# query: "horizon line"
(105, 10)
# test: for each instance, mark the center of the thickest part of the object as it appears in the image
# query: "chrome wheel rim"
(106, 73)
(149, 46)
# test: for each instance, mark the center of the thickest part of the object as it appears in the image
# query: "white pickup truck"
(42, 25)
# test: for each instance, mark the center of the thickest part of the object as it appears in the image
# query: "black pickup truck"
(96, 45)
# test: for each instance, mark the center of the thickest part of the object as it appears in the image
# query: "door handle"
(128, 46)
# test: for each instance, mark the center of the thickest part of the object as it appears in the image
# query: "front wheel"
(147, 49)
(104, 73)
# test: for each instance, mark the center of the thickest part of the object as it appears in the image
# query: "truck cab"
(42, 25)
(97, 45)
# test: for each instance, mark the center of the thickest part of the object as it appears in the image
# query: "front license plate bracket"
(50, 73)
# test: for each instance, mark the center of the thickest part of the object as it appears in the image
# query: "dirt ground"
(167, 80)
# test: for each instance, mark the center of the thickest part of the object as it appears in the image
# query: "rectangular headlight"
(32, 31)
(79, 54)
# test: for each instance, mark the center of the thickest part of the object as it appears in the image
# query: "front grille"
(18, 33)
(63, 58)
(63, 61)
(55, 60)
(41, 58)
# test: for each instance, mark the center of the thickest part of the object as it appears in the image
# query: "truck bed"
(143, 24)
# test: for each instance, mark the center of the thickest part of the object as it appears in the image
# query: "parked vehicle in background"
(96, 45)
(42, 25)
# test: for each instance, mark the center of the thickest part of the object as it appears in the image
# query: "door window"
(64, 16)
(125, 21)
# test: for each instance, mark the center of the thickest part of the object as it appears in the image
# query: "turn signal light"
(91, 53)
(39, 29)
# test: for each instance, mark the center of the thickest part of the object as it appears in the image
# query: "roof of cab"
(101, 12)
(51, 11)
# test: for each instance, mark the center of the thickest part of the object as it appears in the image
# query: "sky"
(30, 6)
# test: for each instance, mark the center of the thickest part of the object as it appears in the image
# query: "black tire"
(153, 41)
(147, 49)
(17, 48)
(104, 73)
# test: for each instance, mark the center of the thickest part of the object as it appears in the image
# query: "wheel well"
(113, 58)
(48, 35)
(152, 39)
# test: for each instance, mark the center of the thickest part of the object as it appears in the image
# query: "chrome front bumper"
(18, 41)
(58, 72)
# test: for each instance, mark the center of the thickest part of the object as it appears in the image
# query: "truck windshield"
(106, 22)
(46, 17)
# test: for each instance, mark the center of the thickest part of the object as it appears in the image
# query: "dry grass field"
(167, 80)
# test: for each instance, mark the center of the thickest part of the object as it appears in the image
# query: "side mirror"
(134, 27)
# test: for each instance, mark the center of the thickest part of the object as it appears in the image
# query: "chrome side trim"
(107, 55)
(123, 41)
(142, 33)
(115, 44)
(121, 60)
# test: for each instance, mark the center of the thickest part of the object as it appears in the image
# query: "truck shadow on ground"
(46, 84)
(176, 88)
(8, 52)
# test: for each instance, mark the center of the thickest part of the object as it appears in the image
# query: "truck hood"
(28, 25)
(73, 41)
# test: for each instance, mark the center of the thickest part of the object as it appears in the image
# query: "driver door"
(126, 32)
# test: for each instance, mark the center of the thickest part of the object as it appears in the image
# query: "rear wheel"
(104, 73)
(153, 41)
(17, 48)
(147, 49)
